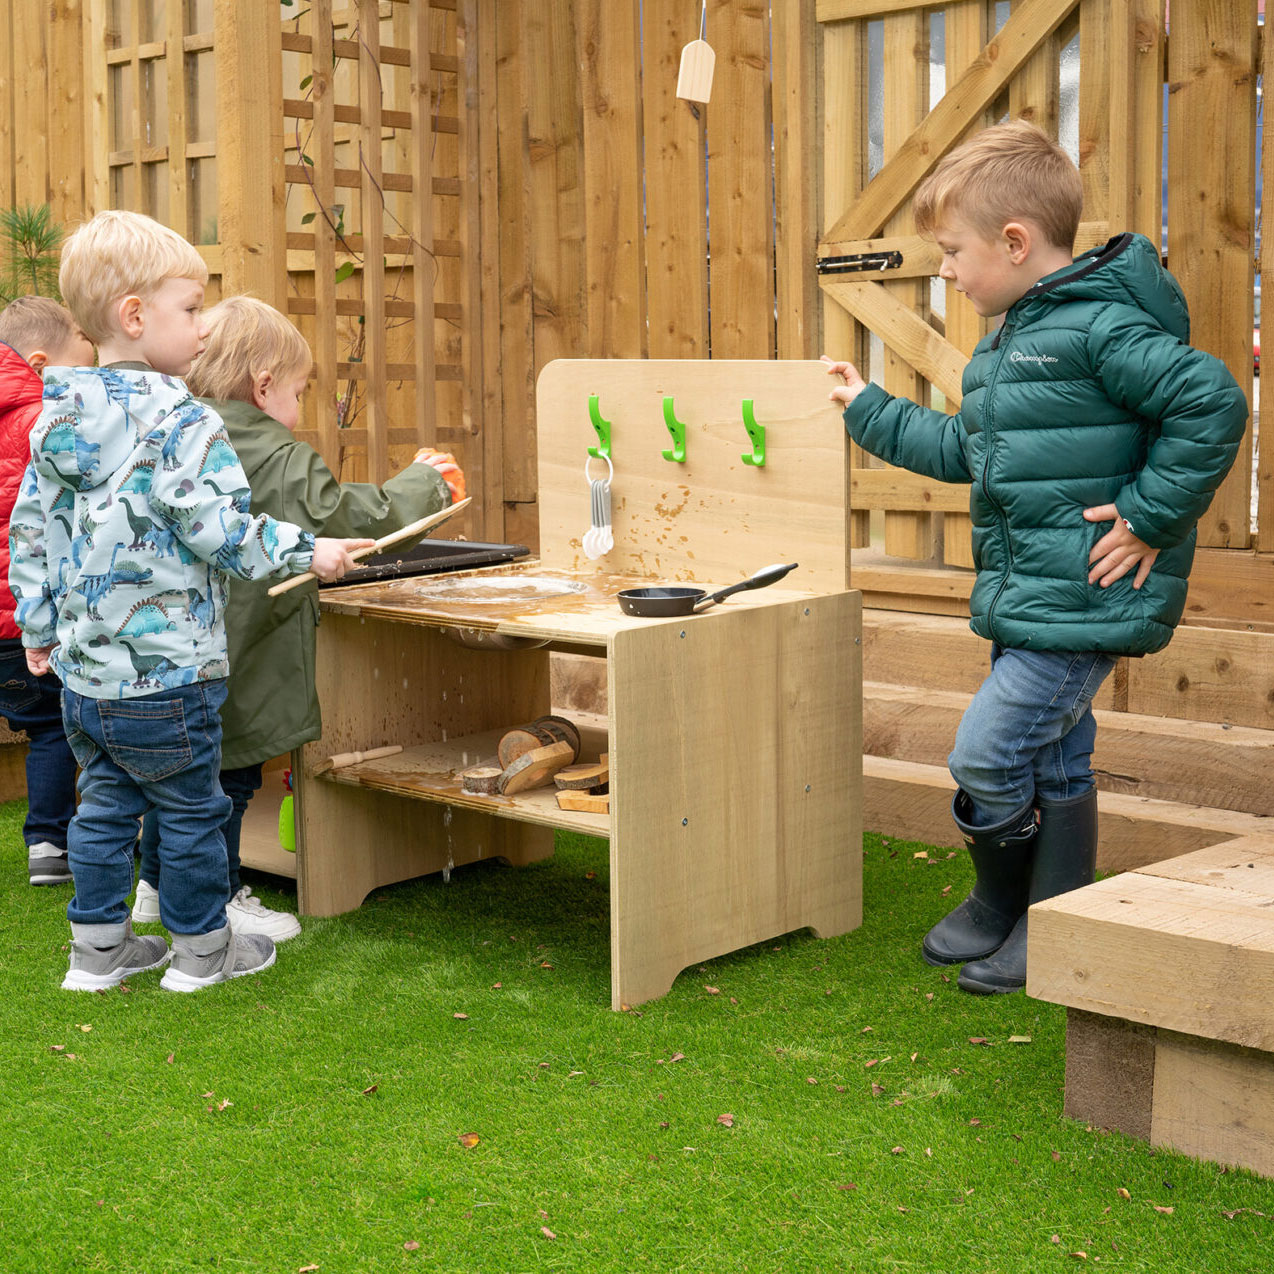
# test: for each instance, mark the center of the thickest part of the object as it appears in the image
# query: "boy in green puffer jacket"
(252, 374)
(1094, 438)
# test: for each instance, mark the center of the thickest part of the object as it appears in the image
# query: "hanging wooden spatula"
(406, 533)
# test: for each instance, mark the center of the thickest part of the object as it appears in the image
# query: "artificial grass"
(311, 1118)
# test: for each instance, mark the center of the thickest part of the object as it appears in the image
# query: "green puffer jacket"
(272, 706)
(1088, 394)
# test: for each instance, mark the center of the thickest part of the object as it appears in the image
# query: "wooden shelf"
(431, 772)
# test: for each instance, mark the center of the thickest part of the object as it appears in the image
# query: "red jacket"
(21, 391)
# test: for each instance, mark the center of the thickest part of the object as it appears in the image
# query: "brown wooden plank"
(1095, 116)
(250, 150)
(30, 109)
(740, 203)
(174, 70)
(1160, 952)
(891, 488)
(1211, 67)
(943, 127)
(325, 221)
(421, 151)
(795, 66)
(67, 106)
(469, 231)
(845, 83)
(1110, 1072)
(1265, 471)
(676, 206)
(615, 265)
(372, 222)
(906, 104)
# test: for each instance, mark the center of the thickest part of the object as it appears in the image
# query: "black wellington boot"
(1065, 859)
(1002, 860)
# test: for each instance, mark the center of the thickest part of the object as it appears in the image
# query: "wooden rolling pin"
(342, 759)
(416, 528)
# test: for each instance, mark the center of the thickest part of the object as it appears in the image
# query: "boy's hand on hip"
(853, 385)
(38, 660)
(332, 557)
(1118, 551)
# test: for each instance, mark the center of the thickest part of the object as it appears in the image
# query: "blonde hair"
(119, 254)
(246, 337)
(31, 323)
(1013, 171)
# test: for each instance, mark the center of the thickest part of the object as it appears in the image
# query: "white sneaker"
(146, 904)
(247, 915)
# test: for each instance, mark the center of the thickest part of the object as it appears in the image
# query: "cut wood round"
(538, 734)
(583, 778)
(481, 780)
(534, 768)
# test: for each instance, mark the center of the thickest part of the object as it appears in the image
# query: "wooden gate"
(1121, 59)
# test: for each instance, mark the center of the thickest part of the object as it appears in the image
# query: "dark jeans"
(160, 752)
(34, 704)
(239, 786)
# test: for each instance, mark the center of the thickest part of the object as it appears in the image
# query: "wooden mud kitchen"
(733, 735)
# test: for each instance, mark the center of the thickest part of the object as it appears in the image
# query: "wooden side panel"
(1214, 1101)
(729, 823)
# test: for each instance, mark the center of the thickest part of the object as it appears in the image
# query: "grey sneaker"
(146, 904)
(204, 959)
(47, 865)
(94, 967)
(247, 914)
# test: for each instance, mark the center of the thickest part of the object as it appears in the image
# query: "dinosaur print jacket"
(132, 513)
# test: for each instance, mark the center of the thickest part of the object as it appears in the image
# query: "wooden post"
(249, 67)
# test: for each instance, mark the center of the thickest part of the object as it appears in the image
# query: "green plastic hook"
(678, 431)
(602, 450)
(756, 433)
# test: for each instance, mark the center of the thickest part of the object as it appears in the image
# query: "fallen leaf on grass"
(411, 1245)
(1162, 1210)
(1057, 1238)
(1123, 1193)
(1057, 1156)
(548, 1234)
(877, 1090)
(1019, 1039)
(369, 1090)
(169, 1058)
(86, 1027)
(921, 853)
(590, 875)
(677, 1057)
(544, 964)
(1229, 1216)
(1080, 1256)
(57, 1048)
(495, 986)
(712, 990)
(726, 1120)
(847, 1185)
(809, 1079)
(978, 1039)
(307, 1269)
(946, 889)
(461, 1017)
(469, 1139)
(897, 1150)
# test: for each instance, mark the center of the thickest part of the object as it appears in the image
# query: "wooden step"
(911, 801)
(1165, 973)
(1224, 675)
(1191, 762)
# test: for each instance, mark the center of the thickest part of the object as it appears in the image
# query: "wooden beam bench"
(1165, 972)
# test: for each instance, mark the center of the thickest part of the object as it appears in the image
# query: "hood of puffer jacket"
(86, 430)
(1124, 270)
(20, 383)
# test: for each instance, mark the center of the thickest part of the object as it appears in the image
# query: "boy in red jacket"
(35, 332)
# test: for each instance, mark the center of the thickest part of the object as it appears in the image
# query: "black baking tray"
(429, 557)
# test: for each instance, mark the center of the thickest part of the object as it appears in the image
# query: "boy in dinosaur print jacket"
(132, 513)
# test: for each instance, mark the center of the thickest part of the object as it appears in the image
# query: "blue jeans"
(1029, 731)
(239, 785)
(158, 751)
(34, 704)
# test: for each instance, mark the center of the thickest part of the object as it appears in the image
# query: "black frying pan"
(662, 601)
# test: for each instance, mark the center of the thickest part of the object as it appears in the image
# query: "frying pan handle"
(766, 575)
